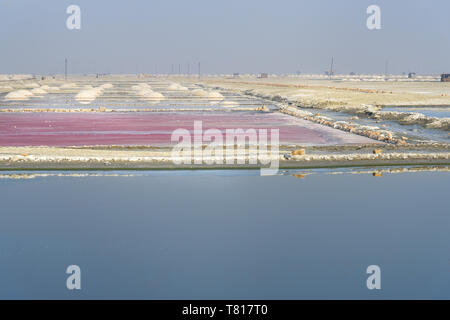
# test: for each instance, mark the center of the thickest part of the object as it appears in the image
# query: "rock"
(377, 174)
(377, 151)
(298, 152)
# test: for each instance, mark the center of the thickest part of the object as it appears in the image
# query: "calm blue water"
(225, 234)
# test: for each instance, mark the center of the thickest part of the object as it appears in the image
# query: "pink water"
(79, 129)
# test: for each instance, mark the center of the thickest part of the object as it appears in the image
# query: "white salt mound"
(199, 93)
(230, 104)
(145, 91)
(176, 87)
(172, 87)
(98, 90)
(21, 76)
(88, 95)
(151, 95)
(106, 86)
(145, 85)
(48, 88)
(69, 86)
(32, 85)
(141, 86)
(38, 91)
(19, 95)
(215, 95)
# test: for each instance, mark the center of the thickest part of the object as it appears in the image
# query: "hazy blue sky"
(226, 36)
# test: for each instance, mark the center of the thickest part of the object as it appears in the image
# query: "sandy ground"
(341, 92)
(362, 98)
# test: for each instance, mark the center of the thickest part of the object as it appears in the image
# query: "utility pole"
(188, 68)
(179, 68)
(172, 69)
(386, 68)
(65, 69)
(199, 70)
(331, 68)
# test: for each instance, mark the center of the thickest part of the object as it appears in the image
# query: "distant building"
(411, 75)
(445, 77)
(236, 75)
(352, 73)
(263, 75)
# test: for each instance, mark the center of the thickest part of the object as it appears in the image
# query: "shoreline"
(153, 165)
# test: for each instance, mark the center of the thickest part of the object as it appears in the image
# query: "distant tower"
(65, 69)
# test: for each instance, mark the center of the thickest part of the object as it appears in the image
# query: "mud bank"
(368, 131)
(369, 111)
(49, 166)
